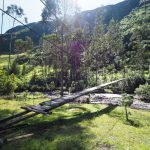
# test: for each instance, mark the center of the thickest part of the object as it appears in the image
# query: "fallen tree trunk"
(45, 107)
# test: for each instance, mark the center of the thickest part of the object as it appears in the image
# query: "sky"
(33, 9)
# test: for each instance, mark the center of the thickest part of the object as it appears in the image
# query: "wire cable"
(30, 29)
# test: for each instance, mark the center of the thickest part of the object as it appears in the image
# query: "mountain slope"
(21, 32)
(135, 20)
(135, 30)
(118, 12)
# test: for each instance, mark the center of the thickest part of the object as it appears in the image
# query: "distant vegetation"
(118, 12)
(64, 55)
(83, 57)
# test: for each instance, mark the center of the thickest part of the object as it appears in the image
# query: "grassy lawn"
(79, 127)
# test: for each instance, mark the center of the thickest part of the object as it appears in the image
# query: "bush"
(22, 85)
(129, 85)
(148, 80)
(14, 69)
(3, 79)
(22, 59)
(7, 84)
(92, 82)
(11, 83)
(127, 101)
(26, 69)
(10, 87)
(144, 92)
(38, 83)
(77, 86)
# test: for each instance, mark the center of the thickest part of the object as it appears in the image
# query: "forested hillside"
(118, 12)
(138, 18)
(135, 30)
(21, 32)
(96, 63)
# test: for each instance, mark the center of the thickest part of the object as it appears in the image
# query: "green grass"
(79, 127)
(4, 60)
(28, 76)
(38, 70)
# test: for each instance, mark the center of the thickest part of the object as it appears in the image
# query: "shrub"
(3, 79)
(22, 85)
(77, 86)
(7, 83)
(129, 85)
(26, 69)
(148, 80)
(23, 70)
(144, 92)
(15, 69)
(92, 82)
(127, 101)
(38, 83)
(22, 59)
(52, 85)
(10, 87)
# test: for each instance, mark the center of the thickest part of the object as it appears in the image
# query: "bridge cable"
(30, 29)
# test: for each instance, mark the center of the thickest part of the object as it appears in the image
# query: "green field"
(79, 127)
(4, 59)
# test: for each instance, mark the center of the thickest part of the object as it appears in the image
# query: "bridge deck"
(47, 106)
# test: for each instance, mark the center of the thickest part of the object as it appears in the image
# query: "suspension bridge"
(46, 106)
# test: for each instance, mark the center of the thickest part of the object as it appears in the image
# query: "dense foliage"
(143, 92)
(117, 12)
(81, 55)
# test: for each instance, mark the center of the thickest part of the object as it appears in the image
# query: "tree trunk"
(126, 112)
(10, 47)
(96, 73)
(124, 72)
(62, 62)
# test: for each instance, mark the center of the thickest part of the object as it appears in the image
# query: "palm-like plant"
(16, 12)
(127, 101)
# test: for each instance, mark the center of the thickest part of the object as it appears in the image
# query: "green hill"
(118, 12)
(138, 17)
(21, 32)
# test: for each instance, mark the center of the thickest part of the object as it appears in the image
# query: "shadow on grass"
(78, 107)
(76, 119)
(134, 123)
(40, 128)
(121, 116)
(73, 135)
(5, 113)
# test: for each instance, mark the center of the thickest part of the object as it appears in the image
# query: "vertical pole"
(126, 112)
(10, 48)
(2, 18)
(62, 62)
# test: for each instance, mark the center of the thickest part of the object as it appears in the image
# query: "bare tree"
(16, 12)
(58, 10)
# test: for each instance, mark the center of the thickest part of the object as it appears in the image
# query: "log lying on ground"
(46, 106)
